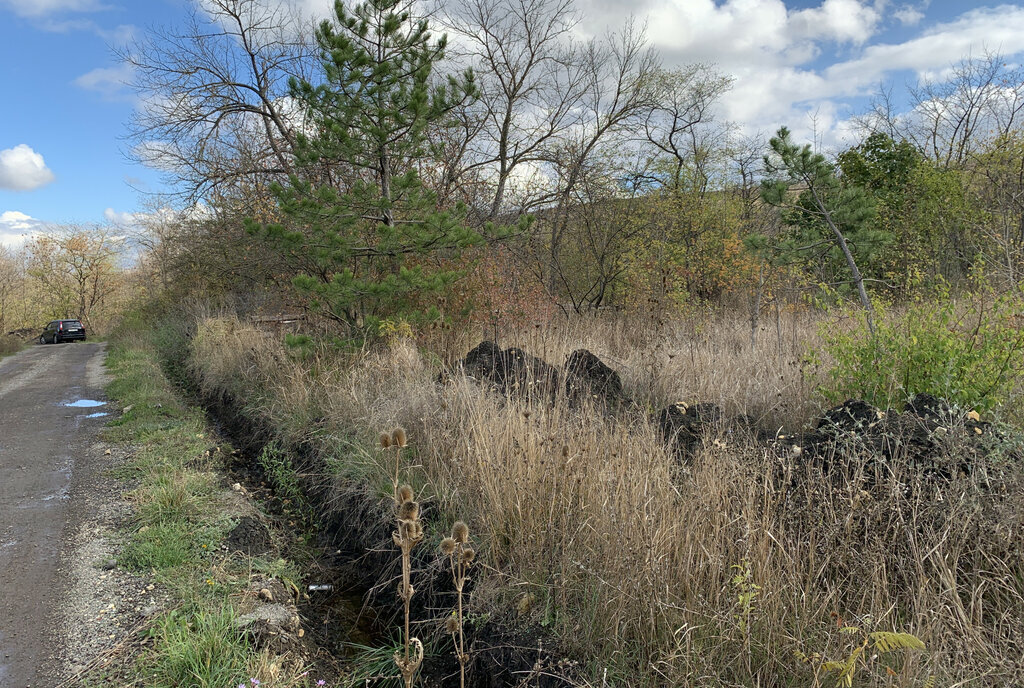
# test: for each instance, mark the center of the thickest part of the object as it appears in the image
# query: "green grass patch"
(158, 547)
(198, 646)
(180, 520)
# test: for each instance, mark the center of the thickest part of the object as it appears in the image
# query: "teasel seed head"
(415, 531)
(405, 493)
(398, 438)
(448, 546)
(409, 510)
(451, 625)
(468, 555)
(460, 532)
(405, 530)
(385, 440)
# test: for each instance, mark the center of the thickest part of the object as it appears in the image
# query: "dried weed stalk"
(461, 556)
(408, 534)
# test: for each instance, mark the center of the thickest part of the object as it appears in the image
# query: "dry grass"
(590, 527)
(10, 345)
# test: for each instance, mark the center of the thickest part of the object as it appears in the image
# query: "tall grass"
(591, 528)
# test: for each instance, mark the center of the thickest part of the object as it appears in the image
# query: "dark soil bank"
(359, 561)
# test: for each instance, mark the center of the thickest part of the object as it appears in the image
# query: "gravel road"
(51, 411)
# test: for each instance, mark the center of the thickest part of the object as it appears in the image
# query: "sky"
(808, 64)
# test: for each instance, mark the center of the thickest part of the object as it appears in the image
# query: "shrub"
(969, 354)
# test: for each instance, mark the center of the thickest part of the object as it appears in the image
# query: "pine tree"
(825, 202)
(367, 239)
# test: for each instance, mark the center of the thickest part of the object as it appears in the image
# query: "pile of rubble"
(921, 433)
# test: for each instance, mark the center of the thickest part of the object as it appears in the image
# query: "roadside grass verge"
(181, 516)
(10, 345)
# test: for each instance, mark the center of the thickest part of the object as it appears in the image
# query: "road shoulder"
(157, 590)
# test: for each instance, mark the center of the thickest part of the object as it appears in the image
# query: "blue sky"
(62, 125)
(46, 48)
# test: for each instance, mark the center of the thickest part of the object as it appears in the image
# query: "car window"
(73, 323)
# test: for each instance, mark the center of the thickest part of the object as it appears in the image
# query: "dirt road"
(51, 411)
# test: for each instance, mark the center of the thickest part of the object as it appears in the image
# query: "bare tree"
(12, 277)
(761, 225)
(1001, 192)
(680, 123)
(602, 220)
(215, 94)
(617, 79)
(952, 119)
(882, 116)
(528, 71)
(75, 269)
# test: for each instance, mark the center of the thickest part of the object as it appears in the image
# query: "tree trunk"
(858, 279)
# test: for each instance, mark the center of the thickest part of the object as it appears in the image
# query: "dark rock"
(526, 373)
(586, 375)
(853, 415)
(683, 426)
(705, 412)
(26, 333)
(904, 435)
(930, 407)
(512, 371)
(481, 362)
(856, 436)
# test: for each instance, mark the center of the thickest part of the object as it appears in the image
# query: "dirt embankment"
(358, 560)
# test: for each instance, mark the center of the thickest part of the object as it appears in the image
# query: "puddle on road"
(62, 494)
(97, 415)
(84, 403)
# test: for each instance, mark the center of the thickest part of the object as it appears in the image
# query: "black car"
(63, 331)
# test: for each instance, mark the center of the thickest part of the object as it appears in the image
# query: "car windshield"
(72, 323)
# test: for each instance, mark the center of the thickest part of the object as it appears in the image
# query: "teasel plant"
(406, 537)
(461, 556)
(395, 440)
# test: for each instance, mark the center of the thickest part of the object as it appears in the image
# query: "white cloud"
(22, 169)
(775, 53)
(42, 8)
(908, 16)
(12, 219)
(17, 228)
(109, 82)
(935, 50)
(118, 36)
(845, 21)
(121, 219)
